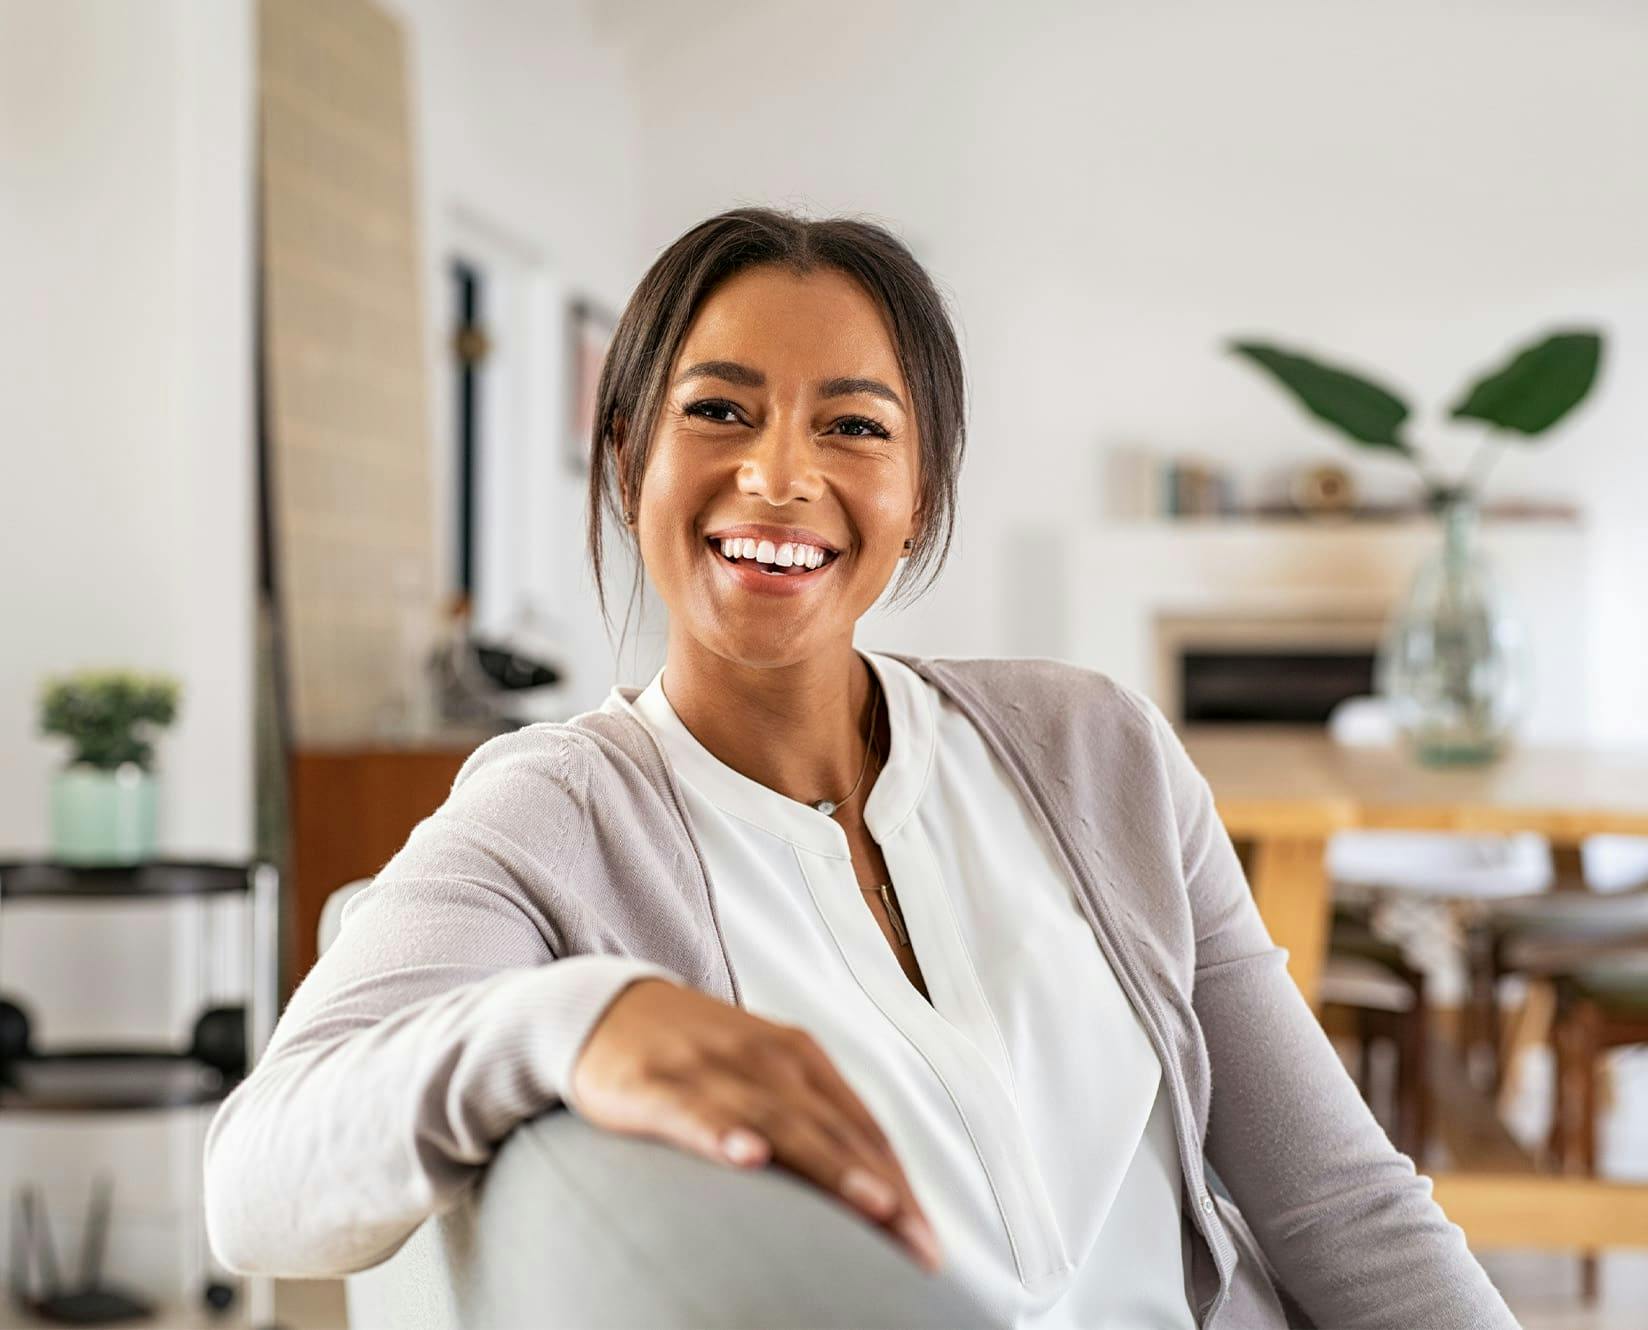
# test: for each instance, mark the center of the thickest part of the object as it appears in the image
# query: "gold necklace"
(885, 889)
(829, 806)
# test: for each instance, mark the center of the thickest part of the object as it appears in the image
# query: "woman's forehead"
(781, 323)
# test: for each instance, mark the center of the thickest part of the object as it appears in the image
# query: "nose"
(780, 464)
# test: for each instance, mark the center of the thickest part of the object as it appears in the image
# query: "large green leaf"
(1370, 414)
(1540, 385)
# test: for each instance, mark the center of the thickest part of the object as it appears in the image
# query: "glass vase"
(1452, 664)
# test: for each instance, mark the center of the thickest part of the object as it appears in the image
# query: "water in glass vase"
(1451, 663)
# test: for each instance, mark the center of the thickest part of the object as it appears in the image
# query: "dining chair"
(1396, 949)
(1591, 950)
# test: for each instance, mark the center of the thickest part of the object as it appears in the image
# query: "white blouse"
(1025, 1103)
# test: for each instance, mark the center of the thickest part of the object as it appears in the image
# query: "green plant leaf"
(1370, 414)
(1540, 385)
(101, 713)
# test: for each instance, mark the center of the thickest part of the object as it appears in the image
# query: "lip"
(747, 574)
(777, 534)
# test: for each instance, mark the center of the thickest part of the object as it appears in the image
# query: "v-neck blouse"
(1025, 1102)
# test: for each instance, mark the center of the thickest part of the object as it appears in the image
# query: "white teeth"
(791, 554)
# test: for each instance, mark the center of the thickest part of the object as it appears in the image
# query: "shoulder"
(1027, 689)
(599, 761)
(1074, 729)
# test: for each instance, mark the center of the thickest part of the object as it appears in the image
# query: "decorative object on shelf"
(103, 802)
(1324, 491)
(501, 680)
(1451, 662)
(1193, 488)
(589, 333)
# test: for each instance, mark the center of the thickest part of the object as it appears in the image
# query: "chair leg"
(1576, 1037)
(1413, 1087)
(1590, 1020)
(1528, 1028)
(1364, 1055)
(1481, 1014)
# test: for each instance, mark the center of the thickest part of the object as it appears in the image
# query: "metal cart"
(103, 1080)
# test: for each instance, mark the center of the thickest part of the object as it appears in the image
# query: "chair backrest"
(1363, 722)
(331, 914)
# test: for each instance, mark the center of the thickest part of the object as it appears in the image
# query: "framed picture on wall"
(589, 332)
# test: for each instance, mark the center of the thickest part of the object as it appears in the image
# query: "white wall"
(126, 530)
(529, 142)
(1109, 191)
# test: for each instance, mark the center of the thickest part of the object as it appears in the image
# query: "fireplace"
(1275, 621)
(1269, 669)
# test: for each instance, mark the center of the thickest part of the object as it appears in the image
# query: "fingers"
(856, 1121)
(709, 1077)
(804, 1137)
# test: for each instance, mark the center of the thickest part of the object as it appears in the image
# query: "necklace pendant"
(893, 917)
(824, 806)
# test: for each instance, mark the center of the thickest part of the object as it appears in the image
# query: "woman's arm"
(435, 1022)
(1348, 1225)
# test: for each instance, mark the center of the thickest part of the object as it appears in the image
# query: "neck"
(797, 728)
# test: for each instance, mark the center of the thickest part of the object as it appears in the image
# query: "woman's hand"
(669, 1062)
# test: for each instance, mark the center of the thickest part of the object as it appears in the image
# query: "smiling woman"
(960, 943)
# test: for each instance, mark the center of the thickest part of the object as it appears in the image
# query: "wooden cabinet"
(351, 810)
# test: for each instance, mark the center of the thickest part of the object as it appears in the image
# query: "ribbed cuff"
(574, 995)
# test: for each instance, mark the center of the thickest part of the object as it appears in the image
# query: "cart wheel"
(219, 1297)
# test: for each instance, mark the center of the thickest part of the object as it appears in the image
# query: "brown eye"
(709, 408)
(870, 430)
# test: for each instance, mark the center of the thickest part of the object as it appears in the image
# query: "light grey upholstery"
(576, 1228)
(331, 914)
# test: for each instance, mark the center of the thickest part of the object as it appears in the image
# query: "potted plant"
(103, 801)
(1450, 662)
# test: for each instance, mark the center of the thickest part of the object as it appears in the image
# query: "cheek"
(674, 495)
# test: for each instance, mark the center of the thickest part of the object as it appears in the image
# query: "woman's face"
(786, 420)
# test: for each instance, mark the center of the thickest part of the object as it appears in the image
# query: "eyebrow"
(732, 372)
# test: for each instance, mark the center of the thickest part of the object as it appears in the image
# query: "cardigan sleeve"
(436, 1021)
(1350, 1228)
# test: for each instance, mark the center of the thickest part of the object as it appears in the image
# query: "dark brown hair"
(648, 338)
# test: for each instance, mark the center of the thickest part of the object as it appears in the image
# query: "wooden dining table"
(1282, 792)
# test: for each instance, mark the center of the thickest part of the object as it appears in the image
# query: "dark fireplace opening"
(1270, 687)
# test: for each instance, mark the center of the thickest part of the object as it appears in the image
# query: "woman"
(960, 942)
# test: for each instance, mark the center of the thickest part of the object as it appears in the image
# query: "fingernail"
(864, 1188)
(742, 1147)
(916, 1232)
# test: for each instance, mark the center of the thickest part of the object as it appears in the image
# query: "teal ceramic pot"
(103, 817)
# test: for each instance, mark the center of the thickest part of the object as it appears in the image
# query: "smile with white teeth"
(776, 560)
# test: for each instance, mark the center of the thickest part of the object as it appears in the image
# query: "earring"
(629, 518)
(908, 544)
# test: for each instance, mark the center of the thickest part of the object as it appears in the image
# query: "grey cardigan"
(562, 867)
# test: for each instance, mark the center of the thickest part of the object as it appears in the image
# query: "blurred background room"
(1307, 348)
